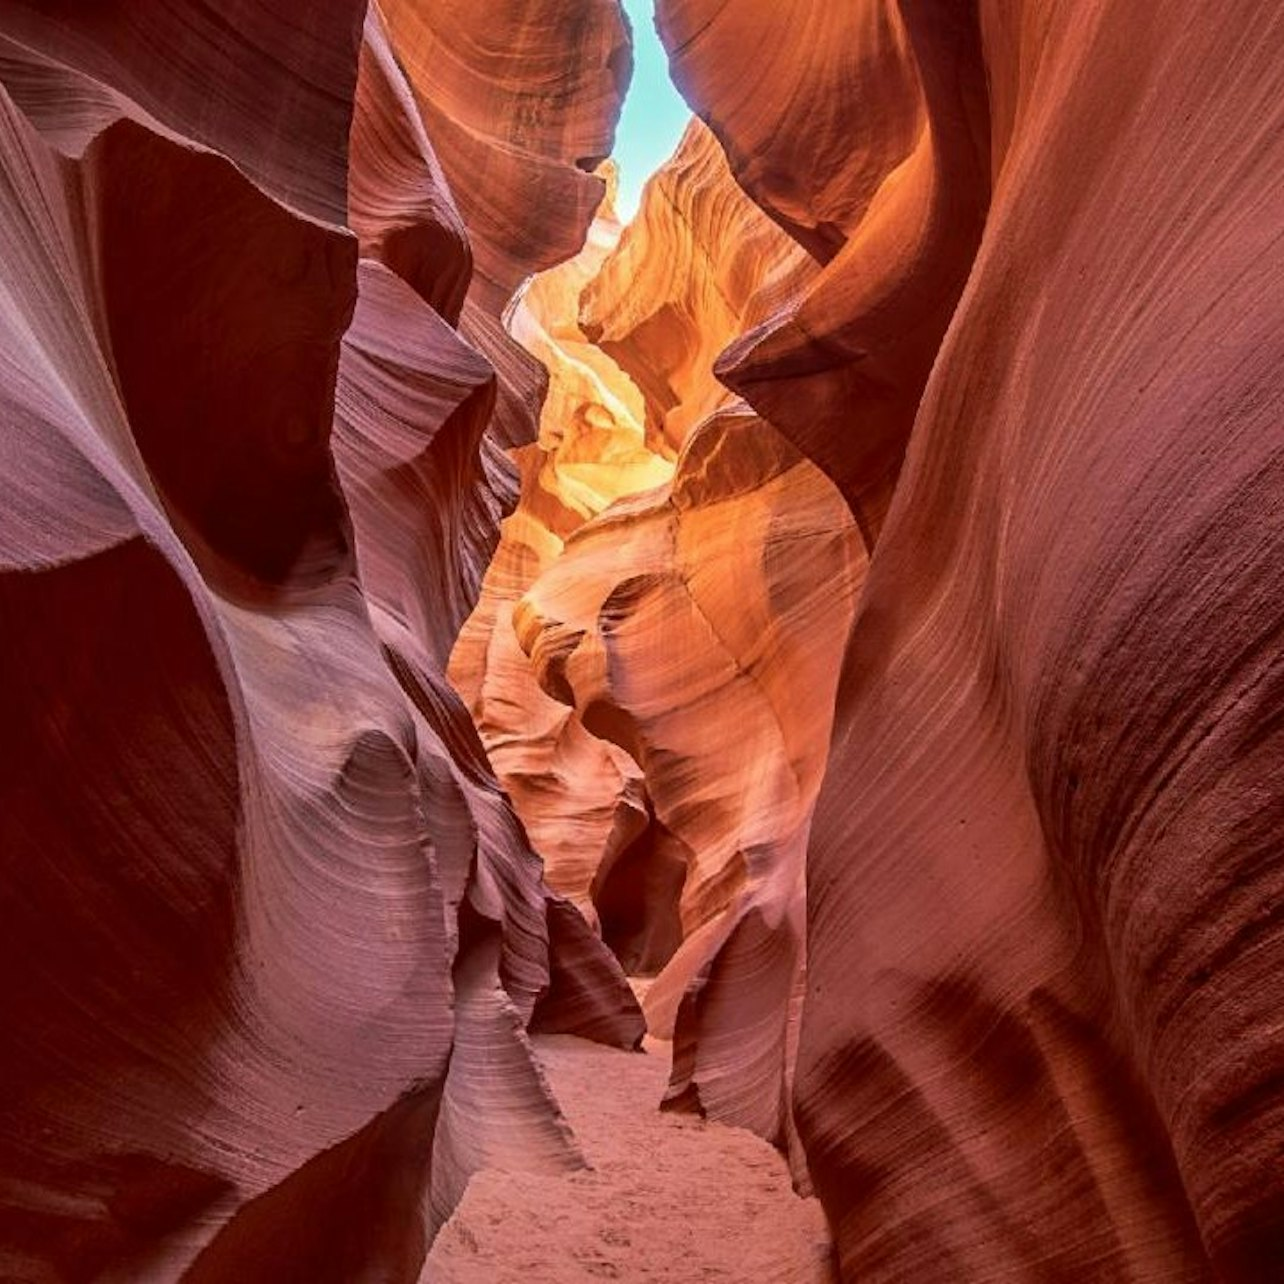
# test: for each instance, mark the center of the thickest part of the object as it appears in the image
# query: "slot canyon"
(727, 733)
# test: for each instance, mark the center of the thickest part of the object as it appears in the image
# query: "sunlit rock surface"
(932, 400)
(638, 609)
(580, 798)
(677, 624)
(260, 887)
(699, 265)
(1041, 1033)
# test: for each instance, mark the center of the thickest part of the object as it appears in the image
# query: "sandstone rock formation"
(672, 618)
(699, 265)
(660, 605)
(933, 400)
(580, 798)
(519, 153)
(1040, 1036)
(864, 131)
(248, 833)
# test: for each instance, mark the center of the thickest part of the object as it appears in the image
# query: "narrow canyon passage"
(663, 1197)
(647, 476)
(672, 568)
(554, 729)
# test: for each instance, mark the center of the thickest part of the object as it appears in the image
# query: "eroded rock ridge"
(844, 602)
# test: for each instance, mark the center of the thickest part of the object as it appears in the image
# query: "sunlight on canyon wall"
(841, 607)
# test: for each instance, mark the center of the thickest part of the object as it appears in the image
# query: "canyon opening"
(674, 683)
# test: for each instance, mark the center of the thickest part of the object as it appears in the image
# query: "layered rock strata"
(675, 616)
(996, 301)
(698, 266)
(520, 101)
(871, 145)
(1039, 1035)
(581, 798)
(261, 888)
(659, 605)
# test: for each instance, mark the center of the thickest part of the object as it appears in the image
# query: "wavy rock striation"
(520, 158)
(872, 148)
(699, 265)
(580, 798)
(674, 616)
(662, 603)
(260, 886)
(1040, 1034)
(969, 309)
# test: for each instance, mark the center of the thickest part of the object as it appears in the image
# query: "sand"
(668, 1198)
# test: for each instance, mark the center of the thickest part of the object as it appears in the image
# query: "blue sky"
(654, 114)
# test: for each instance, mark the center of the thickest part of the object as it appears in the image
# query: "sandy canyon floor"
(667, 1198)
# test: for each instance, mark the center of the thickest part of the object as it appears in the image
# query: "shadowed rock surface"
(273, 933)
(638, 609)
(843, 606)
(1040, 926)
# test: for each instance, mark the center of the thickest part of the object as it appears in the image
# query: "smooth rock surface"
(638, 608)
(1041, 1035)
(273, 934)
(881, 655)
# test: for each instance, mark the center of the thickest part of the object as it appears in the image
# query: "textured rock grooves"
(845, 603)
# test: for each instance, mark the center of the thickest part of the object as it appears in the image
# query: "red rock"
(519, 159)
(183, 786)
(840, 369)
(247, 829)
(413, 403)
(831, 109)
(997, 964)
(1040, 1032)
(399, 202)
(262, 81)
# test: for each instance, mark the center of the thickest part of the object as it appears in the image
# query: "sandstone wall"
(273, 934)
(1039, 1037)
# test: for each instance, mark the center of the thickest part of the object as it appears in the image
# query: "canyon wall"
(1040, 1034)
(273, 934)
(674, 569)
(580, 798)
(878, 660)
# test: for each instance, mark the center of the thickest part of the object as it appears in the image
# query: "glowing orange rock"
(663, 619)
(872, 146)
(674, 617)
(581, 799)
(699, 265)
